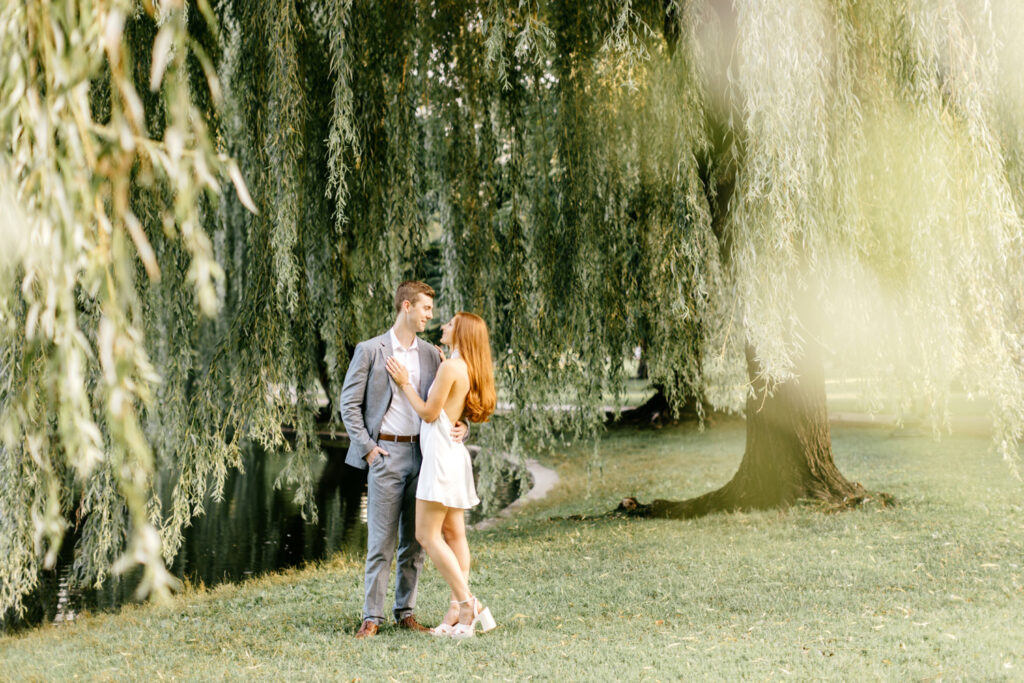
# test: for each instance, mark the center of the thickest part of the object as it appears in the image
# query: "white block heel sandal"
(482, 617)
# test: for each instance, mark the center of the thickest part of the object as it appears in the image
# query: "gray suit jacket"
(366, 394)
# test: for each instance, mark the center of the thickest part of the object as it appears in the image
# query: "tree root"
(706, 504)
(866, 500)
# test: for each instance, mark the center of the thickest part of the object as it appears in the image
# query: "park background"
(206, 205)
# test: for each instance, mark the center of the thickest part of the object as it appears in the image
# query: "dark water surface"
(252, 530)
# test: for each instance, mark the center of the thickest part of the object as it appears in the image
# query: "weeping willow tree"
(873, 219)
(210, 205)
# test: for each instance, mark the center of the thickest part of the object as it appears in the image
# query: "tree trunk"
(654, 412)
(788, 454)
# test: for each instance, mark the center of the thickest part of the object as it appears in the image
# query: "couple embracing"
(403, 404)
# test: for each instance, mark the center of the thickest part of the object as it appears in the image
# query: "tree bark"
(788, 453)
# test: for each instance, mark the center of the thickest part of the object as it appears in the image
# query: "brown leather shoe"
(410, 623)
(368, 629)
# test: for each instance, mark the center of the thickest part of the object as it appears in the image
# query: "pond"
(254, 529)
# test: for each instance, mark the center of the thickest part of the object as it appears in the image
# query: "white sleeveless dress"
(446, 475)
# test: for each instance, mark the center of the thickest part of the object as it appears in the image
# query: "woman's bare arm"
(430, 409)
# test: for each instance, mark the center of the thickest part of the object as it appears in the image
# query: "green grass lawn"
(933, 588)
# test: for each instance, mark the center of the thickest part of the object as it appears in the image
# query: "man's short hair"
(408, 290)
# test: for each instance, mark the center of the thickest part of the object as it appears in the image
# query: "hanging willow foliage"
(876, 186)
(684, 176)
(85, 147)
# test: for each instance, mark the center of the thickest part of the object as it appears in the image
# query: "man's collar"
(397, 345)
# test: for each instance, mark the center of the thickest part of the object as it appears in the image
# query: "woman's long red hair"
(471, 339)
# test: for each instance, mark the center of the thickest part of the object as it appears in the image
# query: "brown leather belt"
(400, 439)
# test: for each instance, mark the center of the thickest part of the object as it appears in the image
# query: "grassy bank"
(931, 589)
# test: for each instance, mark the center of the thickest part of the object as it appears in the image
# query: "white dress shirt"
(401, 419)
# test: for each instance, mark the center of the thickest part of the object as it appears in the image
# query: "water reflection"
(255, 528)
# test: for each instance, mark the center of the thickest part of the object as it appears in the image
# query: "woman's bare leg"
(453, 529)
(455, 539)
(430, 517)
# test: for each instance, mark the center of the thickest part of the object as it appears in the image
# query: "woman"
(463, 387)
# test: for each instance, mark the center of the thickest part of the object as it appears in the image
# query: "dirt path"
(544, 479)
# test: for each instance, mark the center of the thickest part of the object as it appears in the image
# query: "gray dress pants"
(390, 517)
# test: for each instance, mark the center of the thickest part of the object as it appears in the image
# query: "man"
(384, 432)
